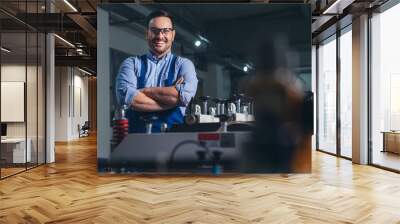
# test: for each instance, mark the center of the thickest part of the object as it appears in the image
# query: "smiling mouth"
(159, 41)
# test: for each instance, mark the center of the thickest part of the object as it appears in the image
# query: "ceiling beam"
(86, 27)
(83, 61)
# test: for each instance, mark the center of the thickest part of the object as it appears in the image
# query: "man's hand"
(167, 96)
(157, 98)
(143, 103)
(179, 81)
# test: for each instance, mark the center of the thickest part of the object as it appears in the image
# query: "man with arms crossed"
(158, 83)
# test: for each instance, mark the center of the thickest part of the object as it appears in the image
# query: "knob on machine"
(149, 121)
(220, 105)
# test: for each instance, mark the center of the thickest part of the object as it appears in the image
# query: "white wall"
(70, 83)
(13, 73)
(79, 117)
(33, 126)
(61, 103)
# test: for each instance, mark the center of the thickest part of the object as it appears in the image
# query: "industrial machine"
(217, 137)
(202, 152)
(211, 140)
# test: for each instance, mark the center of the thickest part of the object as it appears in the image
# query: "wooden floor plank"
(71, 191)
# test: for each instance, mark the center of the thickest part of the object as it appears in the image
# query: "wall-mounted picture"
(204, 88)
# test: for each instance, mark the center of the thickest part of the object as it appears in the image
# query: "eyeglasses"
(164, 31)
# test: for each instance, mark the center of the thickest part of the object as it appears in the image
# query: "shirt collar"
(151, 56)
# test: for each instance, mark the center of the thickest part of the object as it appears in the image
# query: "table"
(13, 150)
(391, 141)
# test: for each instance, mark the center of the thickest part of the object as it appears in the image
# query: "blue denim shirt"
(138, 72)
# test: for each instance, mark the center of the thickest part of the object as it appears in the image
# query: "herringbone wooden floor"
(71, 191)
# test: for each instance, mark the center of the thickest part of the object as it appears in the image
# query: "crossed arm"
(153, 99)
(156, 98)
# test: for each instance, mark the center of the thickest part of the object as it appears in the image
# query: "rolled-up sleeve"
(187, 90)
(126, 82)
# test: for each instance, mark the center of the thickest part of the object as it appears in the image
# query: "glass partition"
(327, 96)
(13, 94)
(41, 91)
(31, 97)
(346, 93)
(22, 90)
(385, 88)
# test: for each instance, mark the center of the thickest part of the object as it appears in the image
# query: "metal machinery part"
(238, 108)
(220, 104)
(149, 123)
(237, 99)
(169, 151)
(204, 104)
(120, 126)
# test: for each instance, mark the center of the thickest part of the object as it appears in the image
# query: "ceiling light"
(204, 39)
(84, 71)
(70, 5)
(245, 68)
(197, 43)
(65, 41)
(79, 51)
(337, 7)
(79, 44)
(5, 50)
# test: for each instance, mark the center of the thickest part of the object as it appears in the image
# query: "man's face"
(160, 35)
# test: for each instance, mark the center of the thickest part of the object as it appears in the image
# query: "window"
(346, 93)
(327, 96)
(385, 88)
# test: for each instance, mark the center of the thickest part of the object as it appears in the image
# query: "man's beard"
(159, 50)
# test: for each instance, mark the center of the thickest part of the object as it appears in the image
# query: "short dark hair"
(159, 13)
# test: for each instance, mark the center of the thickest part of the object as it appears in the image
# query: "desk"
(13, 150)
(391, 141)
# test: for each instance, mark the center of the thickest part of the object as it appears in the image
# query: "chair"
(84, 130)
